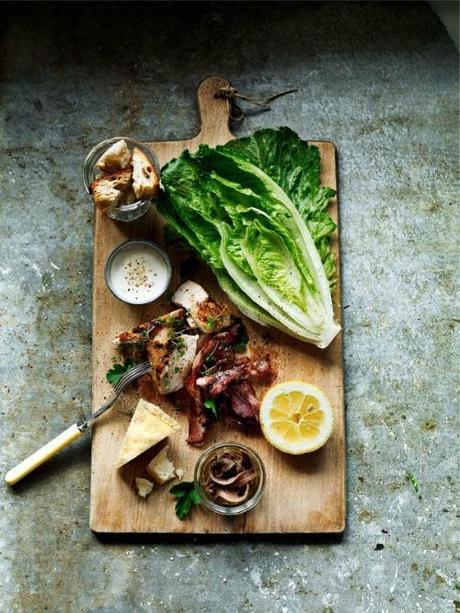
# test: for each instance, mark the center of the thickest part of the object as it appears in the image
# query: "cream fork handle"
(42, 455)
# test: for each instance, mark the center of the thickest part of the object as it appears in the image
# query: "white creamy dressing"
(139, 274)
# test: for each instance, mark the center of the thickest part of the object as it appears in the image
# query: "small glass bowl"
(222, 509)
(125, 247)
(122, 212)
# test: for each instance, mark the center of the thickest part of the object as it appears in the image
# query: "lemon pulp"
(296, 417)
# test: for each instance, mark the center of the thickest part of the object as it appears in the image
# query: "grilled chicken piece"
(143, 332)
(189, 295)
(171, 359)
(205, 314)
(170, 352)
(209, 316)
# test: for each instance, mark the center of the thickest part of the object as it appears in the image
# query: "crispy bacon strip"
(216, 371)
(197, 417)
(244, 401)
(242, 369)
(232, 335)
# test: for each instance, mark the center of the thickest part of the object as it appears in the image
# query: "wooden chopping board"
(304, 494)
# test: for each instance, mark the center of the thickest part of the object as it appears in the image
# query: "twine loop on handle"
(236, 113)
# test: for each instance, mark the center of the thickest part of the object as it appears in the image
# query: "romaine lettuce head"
(256, 213)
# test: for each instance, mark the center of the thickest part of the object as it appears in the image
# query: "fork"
(75, 431)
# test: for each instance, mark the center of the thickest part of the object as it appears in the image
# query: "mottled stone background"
(378, 79)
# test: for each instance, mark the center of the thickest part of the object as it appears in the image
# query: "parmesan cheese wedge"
(149, 425)
(160, 468)
(143, 486)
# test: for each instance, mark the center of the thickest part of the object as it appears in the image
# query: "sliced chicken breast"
(170, 352)
(189, 295)
(178, 364)
(205, 314)
(210, 316)
(150, 328)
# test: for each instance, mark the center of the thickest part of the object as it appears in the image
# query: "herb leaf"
(181, 489)
(209, 360)
(195, 497)
(183, 506)
(118, 370)
(240, 347)
(213, 320)
(211, 406)
(186, 495)
(412, 479)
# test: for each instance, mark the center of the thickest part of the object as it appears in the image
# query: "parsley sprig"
(240, 347)
(242, 344)
(212, 321)
(118, 370)
(211, 406)
(187, 496)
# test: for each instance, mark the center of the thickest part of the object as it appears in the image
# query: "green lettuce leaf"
(256, 213)
(295, 167)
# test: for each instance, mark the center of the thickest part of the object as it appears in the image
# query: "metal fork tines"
(129, 377)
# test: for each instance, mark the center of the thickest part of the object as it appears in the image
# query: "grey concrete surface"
(378, 79)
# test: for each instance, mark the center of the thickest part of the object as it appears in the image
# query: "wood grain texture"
(303, 494)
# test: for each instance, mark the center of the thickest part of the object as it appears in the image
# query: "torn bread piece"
(108, 191)
(115, 158)
(149, 425)
(205, 314)
(146, 181)
(144, 487)
(129, 196)
(160, 468)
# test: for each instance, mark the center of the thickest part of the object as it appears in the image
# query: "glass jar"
(122, 212)
(201, 470)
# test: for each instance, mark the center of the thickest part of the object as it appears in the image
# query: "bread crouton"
(115, 158)
(146, 181)
(108, 191)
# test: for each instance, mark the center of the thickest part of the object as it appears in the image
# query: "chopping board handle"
(214, 112)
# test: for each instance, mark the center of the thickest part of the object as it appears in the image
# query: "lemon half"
(296, 417)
